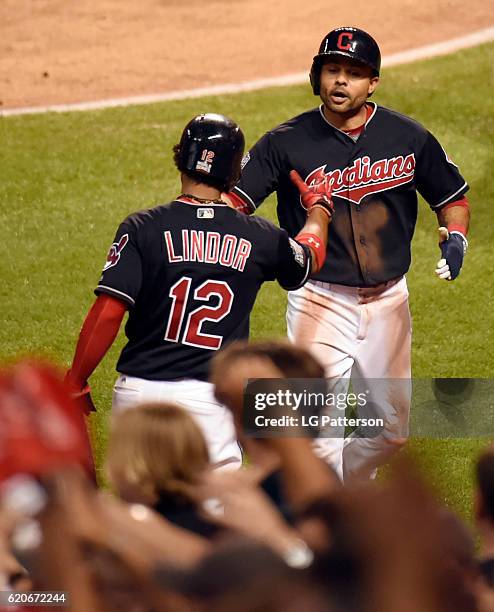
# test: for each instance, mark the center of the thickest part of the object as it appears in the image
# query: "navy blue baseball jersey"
(375, 179)
(190, 274)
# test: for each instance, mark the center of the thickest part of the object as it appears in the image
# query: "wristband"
(458, 229)
(321, 207)
(316, 245)
(463, 202)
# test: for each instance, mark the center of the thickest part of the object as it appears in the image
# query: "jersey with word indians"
(374, 181)
(190, 274)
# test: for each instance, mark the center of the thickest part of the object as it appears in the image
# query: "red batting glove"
(80, 394)
(317, 194)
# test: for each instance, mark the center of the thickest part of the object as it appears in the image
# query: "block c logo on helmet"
(341, 41)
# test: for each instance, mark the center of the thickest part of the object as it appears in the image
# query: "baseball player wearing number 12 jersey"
(353, 314)
(188, 272)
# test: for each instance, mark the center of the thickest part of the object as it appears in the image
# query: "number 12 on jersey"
(191, 331)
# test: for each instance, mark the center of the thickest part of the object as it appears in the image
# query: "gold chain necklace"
(201, 200)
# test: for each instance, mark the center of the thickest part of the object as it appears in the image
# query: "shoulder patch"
(245, 160)
(115, 251)
(298, 252)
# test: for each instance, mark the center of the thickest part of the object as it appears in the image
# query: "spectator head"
(242, 360)
(155, 450)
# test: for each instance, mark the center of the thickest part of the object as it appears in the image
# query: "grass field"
(67, 180)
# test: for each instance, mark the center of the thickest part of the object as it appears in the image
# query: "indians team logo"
(362, 178)
(115, 251)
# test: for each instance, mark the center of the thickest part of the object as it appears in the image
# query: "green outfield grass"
(67, 180)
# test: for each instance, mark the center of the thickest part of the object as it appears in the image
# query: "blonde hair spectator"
(155, 449)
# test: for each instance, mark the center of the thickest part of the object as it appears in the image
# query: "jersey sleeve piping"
(244, 196)
(302, 283)
(118, 294)
(454, 195)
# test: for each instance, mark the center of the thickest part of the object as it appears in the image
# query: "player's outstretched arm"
(317, 201)
(453, 221)
(98, 332)
(234, 201)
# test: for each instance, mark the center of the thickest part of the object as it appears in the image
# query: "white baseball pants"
(197, 397)
(362, 334)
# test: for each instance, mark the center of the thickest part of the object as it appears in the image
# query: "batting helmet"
(347, 42)
(211, 147)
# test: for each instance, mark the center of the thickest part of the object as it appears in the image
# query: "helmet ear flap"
(315, 77)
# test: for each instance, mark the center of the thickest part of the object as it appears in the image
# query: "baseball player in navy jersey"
(354, 312)
(188, 273)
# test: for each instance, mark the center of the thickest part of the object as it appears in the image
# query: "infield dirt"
(59, 51)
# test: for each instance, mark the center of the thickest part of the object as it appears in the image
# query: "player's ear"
(373, 83)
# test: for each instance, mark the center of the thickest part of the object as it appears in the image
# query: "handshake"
(316, 195)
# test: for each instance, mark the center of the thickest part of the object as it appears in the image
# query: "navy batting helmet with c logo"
(347, 42)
